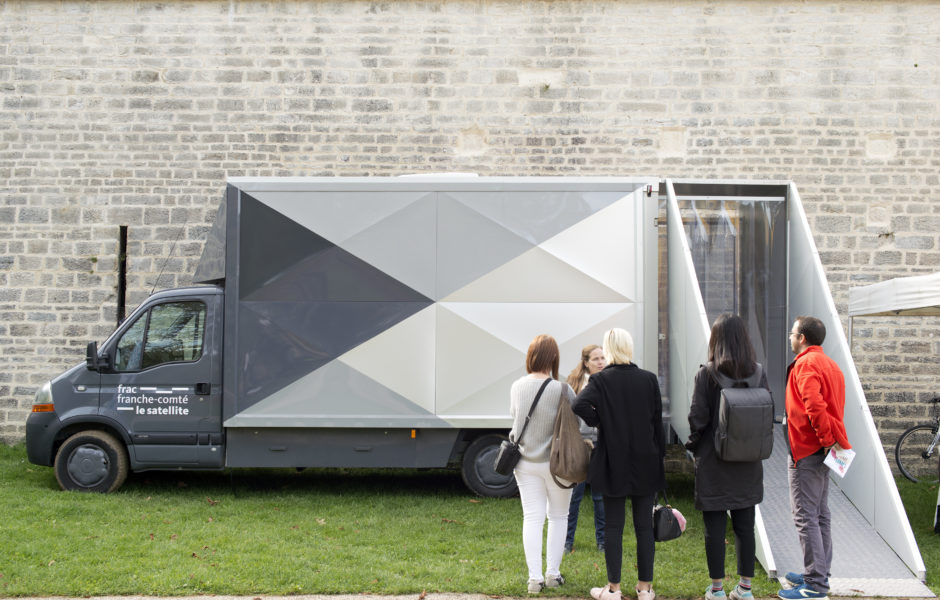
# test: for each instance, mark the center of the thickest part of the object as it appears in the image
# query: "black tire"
(477, 468)
(909, 453)
(91, 461)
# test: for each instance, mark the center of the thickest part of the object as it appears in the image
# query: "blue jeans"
(574, 508)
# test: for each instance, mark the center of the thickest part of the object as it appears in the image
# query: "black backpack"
(745, 428)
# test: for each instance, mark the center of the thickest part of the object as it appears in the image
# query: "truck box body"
(366, 321)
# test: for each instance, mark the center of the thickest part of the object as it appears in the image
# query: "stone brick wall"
(134, 113)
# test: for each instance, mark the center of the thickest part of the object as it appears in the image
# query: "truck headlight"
(43, 401)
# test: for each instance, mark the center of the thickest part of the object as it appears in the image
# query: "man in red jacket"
(815, 404)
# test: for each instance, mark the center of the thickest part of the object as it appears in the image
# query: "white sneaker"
(713, 594)
(645, 594)
(535, 586)
(604, 593)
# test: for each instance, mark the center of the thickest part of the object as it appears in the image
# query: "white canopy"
(918, 295)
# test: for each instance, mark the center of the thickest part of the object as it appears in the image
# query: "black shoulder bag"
(509, 453)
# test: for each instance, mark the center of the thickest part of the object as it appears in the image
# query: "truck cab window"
(171, 332)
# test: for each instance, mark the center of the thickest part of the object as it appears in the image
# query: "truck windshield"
(171, 332)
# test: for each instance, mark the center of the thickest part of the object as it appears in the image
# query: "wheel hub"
(88, 465)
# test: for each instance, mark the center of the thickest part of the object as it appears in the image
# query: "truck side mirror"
(91, 356)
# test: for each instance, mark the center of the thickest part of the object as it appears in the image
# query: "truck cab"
(150, 397)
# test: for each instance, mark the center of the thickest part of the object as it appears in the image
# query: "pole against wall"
(122, 274)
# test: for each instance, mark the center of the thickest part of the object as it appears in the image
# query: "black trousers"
(742, 521)
(615, 510)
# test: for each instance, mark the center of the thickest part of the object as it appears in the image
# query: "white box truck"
(357, 322)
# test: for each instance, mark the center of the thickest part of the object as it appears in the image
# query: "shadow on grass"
(334, 481)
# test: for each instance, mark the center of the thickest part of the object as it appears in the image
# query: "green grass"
(920, 502)
(319, 531)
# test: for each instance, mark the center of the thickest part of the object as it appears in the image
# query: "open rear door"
(720, 261)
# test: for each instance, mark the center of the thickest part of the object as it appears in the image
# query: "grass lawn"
(319, 531)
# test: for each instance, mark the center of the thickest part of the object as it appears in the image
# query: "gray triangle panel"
(211, 267)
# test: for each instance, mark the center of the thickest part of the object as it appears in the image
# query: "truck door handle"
(202, 389)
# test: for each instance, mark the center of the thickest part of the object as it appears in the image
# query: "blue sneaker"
(803, 592)
(794, 579)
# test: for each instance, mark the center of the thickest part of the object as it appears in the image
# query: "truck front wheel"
(477, 468)
(91, 461)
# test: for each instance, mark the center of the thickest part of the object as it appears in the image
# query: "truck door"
(164, 384)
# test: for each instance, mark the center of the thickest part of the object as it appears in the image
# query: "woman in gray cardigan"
(539, 493)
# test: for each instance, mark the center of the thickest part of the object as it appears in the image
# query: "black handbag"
(509, 453)
(665, 523)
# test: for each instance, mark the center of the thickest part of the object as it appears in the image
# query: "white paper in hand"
(839, 461)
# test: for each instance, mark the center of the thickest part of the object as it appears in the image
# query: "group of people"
(620, 408)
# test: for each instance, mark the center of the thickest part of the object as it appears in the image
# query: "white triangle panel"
(613, 254)
(517, 323)
(491, 401)
(336, 216)
(469, 359)
(401, 358)
(535, 276)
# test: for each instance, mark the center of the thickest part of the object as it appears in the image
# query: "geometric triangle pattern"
(536, 276)
(280, 342)
(417, 305)
(311, 402)
(470, 245)
(590, 247)
(401, 358)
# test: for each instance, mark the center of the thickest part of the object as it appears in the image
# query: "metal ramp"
(862, 563)
(875, 553)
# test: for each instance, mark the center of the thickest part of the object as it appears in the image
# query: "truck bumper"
(41, 429)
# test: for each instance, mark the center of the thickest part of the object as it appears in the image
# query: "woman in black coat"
(624, 403)
(722, 486)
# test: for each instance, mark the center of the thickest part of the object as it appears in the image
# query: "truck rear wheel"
(477, 468)
(91, 461)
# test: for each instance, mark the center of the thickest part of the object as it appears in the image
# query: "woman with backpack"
(722, 486)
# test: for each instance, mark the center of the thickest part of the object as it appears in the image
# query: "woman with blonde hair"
(623, 401)
(592, 361)
(539, 493)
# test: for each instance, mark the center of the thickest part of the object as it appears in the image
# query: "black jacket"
(624, 403)
(719, 485)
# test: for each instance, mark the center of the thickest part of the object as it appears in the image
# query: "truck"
(357, 322)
